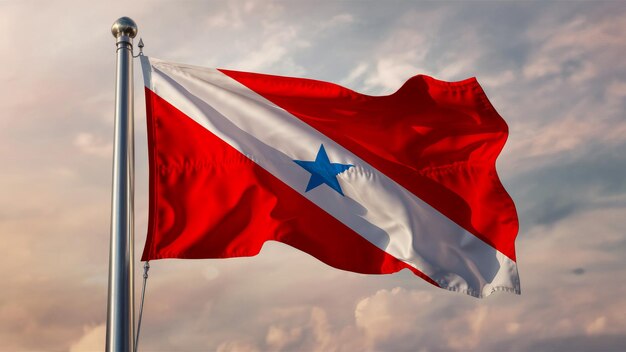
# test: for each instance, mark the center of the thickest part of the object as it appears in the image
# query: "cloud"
(617, 89)
(554, 71)
(382, 319)
(273, 49)
(337, 20)
(596, 326)
(278, 338)
(576, 48)
(356, 73)
(90, 144)
(230, 18)
(236, 346)
(398, 58)
(499, 79)
(391, 72)
(579, 343)
(465, 331)
(93, 340)
(303, 328)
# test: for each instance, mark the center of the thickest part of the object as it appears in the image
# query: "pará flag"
(369, 184)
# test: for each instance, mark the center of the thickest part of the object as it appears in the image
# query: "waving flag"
(363, 183)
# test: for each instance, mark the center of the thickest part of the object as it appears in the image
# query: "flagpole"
(121, 302)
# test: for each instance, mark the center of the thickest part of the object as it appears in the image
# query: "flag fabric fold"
(369, 184)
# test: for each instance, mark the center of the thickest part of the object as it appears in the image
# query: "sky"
(556, 72)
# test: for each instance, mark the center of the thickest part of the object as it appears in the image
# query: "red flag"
(366, 184)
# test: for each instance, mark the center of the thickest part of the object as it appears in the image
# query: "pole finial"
(124, 26)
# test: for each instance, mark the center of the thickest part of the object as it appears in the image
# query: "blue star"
(323, 171)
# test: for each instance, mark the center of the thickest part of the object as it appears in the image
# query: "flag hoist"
(120, 305)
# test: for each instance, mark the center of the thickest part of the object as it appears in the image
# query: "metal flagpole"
(121, 299)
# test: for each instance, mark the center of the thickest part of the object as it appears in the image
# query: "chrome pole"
(120, 305)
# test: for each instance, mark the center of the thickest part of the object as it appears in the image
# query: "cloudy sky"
(555, 71)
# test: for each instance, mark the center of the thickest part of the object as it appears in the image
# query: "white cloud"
(512, 328)
(237, 346)
(540, 67)
(229, 18)
(385, 315)
(464, 332)
(92, 340)
(418, 44)
(337, 20)
(210, 273)
(276, 47)
(92, 145)
(279, 337)
(577, 49)
(356, 73)
(321, 330)
(596, 326)
(573, 131)
(497, 80)
(391, 72)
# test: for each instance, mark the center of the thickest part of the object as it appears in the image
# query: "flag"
(369, 184)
